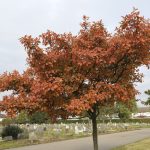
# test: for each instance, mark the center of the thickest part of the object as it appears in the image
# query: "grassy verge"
(139, 145)
(13, 144)
(45, 139)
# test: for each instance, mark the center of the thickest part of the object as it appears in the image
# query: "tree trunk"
(94, 127)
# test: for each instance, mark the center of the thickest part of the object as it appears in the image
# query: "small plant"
(11, 130)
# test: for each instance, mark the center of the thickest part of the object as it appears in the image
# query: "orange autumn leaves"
(59, 65)
(101, 95)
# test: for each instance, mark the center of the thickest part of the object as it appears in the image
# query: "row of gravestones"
(58, 128)
(34, 131)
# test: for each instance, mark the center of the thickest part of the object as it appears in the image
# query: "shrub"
(11, 130)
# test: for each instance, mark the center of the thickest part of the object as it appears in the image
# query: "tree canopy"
(70, 74)
(77, 72)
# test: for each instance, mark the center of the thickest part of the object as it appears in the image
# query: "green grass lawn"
(45, 139)
(13, 144)
(139, 145)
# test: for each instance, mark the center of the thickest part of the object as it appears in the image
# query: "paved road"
(106, 142)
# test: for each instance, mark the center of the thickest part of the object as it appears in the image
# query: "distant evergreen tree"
(148, 100)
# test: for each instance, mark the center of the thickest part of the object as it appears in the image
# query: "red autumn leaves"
(59, 64)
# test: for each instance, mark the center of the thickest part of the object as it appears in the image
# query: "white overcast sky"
(33, 17)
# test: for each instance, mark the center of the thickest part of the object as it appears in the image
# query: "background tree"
(107, 112)
(120, 109)
(39, 117)
(8, 121)
(22, 118)
(69, 74)
(125, 110)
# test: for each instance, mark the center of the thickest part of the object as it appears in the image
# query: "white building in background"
(143, 112)
(141, 115)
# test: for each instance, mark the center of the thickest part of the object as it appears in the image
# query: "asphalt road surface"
(106, 142)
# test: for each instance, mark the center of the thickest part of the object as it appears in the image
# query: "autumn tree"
(68, 74)
(20, 87)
